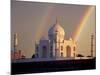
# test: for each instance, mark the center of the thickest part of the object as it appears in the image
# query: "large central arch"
(44, 52)
(68, 51)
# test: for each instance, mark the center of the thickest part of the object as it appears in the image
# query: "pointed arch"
(44, 52)
(68, 51)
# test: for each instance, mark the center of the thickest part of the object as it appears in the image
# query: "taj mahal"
(56, 46)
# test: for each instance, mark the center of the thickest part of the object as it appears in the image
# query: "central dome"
(56, 28)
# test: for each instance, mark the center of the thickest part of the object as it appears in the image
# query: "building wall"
(61, 46)
(44, 51)
(71, 44)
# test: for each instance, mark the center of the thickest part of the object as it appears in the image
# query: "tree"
(33, 56)
(89, 56)
(80, 55)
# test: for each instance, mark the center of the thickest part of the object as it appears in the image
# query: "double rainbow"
(81, 25)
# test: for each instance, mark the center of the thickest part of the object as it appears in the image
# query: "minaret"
(15, 41)
(92, 37)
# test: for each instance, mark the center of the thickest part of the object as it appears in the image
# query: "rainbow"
(45, 18)
(83, 23)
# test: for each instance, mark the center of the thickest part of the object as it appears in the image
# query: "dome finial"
(57, 20)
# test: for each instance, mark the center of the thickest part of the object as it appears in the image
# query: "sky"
(32, 20)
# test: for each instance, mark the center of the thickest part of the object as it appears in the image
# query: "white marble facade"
(55, 46)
